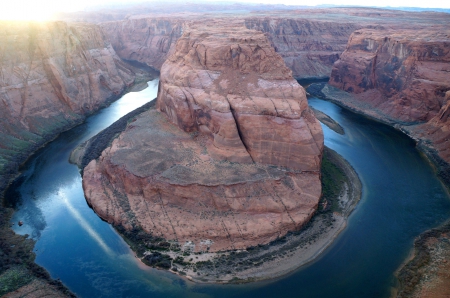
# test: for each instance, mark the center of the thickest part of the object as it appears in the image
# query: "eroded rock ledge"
(243, 170)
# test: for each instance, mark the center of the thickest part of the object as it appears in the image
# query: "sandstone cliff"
(235, 88)
(51, 76)
(309, 40)
(403, 78)
(146, 40)
(309, 47)
(403, 74)
(240, 167)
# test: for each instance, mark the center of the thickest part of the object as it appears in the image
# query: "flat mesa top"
(152, 146)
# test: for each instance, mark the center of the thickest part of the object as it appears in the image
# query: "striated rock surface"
(434, 137)
(51, 76)
(309, 47)
(146, 40)
(240, 167)
(437, 130)
(231, 85)
(401, 77)
(403, 74)
(309, 40)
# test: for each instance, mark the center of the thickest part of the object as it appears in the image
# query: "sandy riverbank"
(426, 273)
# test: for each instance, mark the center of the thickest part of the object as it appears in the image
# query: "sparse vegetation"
(17, 267)
(333, 179)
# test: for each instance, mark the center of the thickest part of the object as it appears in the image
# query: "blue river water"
(402, 197)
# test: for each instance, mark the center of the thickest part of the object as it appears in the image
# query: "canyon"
(231, 157)
(395, 63)
(86, 65)
(52, 76)
(400, 78)
(390, 65)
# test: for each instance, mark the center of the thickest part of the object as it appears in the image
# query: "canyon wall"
(51, 76)
(403, 74)
(235, 88)
(146, 40)
(309, 48)
(231, 159)
(402, 77)
(309, 40)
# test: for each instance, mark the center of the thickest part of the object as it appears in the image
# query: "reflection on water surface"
(401, 198)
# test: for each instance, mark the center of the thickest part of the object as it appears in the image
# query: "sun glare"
(32, 10)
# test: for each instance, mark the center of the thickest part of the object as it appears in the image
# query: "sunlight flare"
(85, 224)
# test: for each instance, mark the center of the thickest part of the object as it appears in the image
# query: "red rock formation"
(437, 130)
(230, 84)
(309, 40)
(234, 100)
(309, 47)
(146, 40)
(403, 74)
(51, 75)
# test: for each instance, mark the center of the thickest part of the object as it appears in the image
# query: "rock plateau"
(230, 158)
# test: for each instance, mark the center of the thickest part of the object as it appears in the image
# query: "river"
(402, 197)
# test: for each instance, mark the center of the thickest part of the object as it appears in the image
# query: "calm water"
(401, 198)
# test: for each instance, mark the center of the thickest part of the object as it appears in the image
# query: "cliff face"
(51, 76)
(235, 88)
(309, 47)
(309, 40)
(436, 133)
(146, 40)
(240, 167)
(403, 74)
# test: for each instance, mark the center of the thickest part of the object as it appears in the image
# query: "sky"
(43, 9)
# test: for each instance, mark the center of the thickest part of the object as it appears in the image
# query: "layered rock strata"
(309, 47)
(403, 74)
(239, 168)
(309, 40)
(233, 87)
(51, 76)
(146, 40)
(402, 78)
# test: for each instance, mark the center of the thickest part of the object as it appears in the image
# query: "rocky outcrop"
(427, 274)
(236, 89)
(239, 168)
(402, 78)
(403, 74)
(51, 76)
(437, 130)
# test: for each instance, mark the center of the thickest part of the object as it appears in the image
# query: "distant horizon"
(44, 9)
(431, 4)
